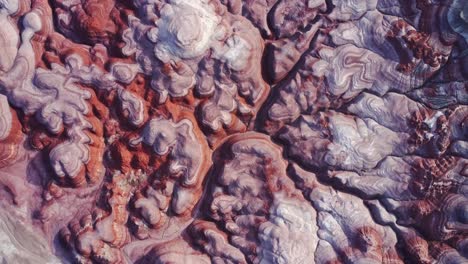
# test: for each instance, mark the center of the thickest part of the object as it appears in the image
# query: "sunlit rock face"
(185, 30)
(198, 51)
(233, 131)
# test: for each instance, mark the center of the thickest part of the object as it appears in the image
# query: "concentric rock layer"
(234, 131)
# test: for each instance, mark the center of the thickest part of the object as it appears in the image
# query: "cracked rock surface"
(234, 131)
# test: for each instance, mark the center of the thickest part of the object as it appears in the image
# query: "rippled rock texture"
(234, 131)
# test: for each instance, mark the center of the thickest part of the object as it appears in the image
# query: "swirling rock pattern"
(6, 116)
(233, 131)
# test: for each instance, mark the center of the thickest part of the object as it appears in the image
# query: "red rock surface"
(229, 131)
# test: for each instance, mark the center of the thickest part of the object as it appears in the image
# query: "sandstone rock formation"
(233, 131)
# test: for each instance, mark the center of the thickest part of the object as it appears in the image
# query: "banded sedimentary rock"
(198, 48)
(233, 131)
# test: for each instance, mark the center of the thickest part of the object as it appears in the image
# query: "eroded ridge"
(233, 131)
